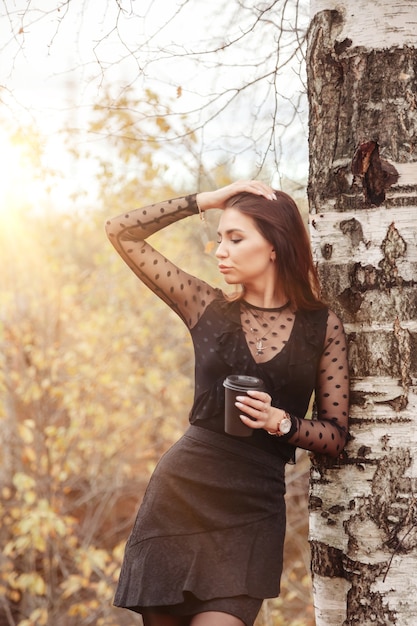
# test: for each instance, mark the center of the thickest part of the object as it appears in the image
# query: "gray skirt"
(210, 529)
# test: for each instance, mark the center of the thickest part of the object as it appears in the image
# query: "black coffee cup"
(238, 385)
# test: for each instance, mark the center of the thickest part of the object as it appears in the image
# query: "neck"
(265, 300)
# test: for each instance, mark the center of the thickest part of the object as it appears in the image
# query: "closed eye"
(219, 240)
(232, 234)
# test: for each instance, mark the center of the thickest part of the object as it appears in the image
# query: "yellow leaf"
(39, 617)
(15, 596)
(26, 431)
(28, 455)
(31, 582)
(23, 482)
(72, 585)
(30, 497)
(6, 493)
(78, 610)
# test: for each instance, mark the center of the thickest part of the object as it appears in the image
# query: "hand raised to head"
(217, 199)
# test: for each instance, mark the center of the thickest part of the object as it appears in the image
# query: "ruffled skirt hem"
(212, 524)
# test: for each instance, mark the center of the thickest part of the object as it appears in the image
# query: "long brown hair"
(280, 222)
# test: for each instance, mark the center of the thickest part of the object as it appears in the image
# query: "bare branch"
(234, 67)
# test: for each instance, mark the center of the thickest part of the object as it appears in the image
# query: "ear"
(273, 255)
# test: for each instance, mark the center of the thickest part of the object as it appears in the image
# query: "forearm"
(322, 436)
(174, 286)
(140, 223)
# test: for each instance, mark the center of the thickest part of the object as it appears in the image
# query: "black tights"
(209, 618)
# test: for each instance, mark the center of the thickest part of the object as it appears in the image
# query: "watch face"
(285, 426)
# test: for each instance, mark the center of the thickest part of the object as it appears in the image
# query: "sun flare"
(17, 174)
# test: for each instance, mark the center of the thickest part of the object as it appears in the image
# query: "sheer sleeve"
(187, 295)
(328, 433)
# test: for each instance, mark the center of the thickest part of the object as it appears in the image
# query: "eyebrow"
(229, 231)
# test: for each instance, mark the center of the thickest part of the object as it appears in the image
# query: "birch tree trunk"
(362, 83)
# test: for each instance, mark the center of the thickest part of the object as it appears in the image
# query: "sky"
(58, 59)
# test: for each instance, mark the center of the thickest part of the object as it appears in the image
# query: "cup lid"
(243, 382)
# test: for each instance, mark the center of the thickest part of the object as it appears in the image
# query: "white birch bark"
(362, 65)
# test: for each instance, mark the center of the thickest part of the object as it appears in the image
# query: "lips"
(224, 268)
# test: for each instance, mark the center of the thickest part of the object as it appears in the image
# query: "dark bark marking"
(351, 300)
(327, 251)
(326, 560)
(398, 404)
(365, 607)
(315, 503)
(363, 278)
(376, 174)
(353, 228)
(404, 342)
(364, 451)
(393, 506)
(341, 46)
(393, 248)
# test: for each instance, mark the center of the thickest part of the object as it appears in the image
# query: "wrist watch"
(283, 427)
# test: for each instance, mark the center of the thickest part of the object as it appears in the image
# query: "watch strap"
(277, 432)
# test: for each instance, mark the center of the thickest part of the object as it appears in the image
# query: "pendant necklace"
(261, 339)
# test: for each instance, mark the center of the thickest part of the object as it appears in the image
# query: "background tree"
(362, 67)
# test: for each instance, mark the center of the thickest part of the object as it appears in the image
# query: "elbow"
(338, 450)
(113, 232)
(108, 229)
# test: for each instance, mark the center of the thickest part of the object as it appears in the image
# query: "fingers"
(219, 197)
(259, 188)
(256, 187)
(256, 405)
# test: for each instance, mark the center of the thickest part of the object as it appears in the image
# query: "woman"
(207, 544)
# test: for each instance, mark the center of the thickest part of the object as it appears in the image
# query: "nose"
(221, 251)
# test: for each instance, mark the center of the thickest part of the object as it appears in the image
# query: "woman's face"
(245, 256)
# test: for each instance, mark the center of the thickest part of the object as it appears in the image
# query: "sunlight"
(17, 174)
(9, 167)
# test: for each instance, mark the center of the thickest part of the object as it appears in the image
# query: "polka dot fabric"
(302, 352)
(184, 293)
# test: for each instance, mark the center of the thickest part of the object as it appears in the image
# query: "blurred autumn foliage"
(95, 383)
